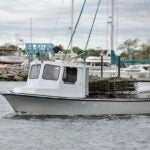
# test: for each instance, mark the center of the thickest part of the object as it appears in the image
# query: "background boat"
(11, 59)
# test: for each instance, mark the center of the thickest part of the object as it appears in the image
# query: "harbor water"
(27, 132)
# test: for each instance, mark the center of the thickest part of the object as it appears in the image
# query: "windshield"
(35, 71)
(51, 72)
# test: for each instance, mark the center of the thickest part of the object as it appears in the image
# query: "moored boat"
(11, 60)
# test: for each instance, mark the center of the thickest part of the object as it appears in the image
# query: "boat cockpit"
(57, 79)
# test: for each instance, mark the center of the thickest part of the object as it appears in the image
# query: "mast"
(72, 22)
(112, 24)
(31, 30)
(17, 35)
(29, 54)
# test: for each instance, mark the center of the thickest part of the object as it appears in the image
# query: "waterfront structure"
(38, 48)
(4, 51)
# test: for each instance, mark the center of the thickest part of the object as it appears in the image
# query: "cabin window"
(70, 75)
(97, 64)
(88, 63)
(146, 68)
(51, 72)
(35, 71)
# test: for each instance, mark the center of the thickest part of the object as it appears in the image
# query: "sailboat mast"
(112, 24)
(29, 54)
(31, 30)
(72, 22)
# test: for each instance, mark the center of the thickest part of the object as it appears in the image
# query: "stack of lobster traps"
(112, 87)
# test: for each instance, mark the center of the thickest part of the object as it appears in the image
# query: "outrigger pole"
(72, 23)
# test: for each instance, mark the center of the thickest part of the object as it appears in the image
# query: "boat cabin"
(95, 62)
(57, 79)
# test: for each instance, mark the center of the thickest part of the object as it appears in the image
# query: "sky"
(51, 20)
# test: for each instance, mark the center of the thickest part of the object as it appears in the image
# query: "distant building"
(38, 48)
(4, 51)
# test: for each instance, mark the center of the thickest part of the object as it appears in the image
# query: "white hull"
(43, 105)
(11, 60)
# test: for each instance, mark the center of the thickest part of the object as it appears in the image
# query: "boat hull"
(44, 105)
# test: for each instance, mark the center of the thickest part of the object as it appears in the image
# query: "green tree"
(145, 50)
(93, 52)
(77, 50)
(58, 48)
(129, 46)
(13, 46)
(124, 55)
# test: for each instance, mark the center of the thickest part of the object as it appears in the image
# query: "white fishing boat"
(61, 88)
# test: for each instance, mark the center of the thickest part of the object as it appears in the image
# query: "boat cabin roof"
(61, 63)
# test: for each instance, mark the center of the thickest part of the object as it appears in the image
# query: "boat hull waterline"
(45, 105)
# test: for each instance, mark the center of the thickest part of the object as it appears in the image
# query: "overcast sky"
(131, 21)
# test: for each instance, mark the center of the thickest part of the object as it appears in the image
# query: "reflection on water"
(25, 116)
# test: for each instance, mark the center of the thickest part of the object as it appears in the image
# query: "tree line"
(130, 49)
(134, 49)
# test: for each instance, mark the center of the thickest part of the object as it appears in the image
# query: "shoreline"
(15, 73)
